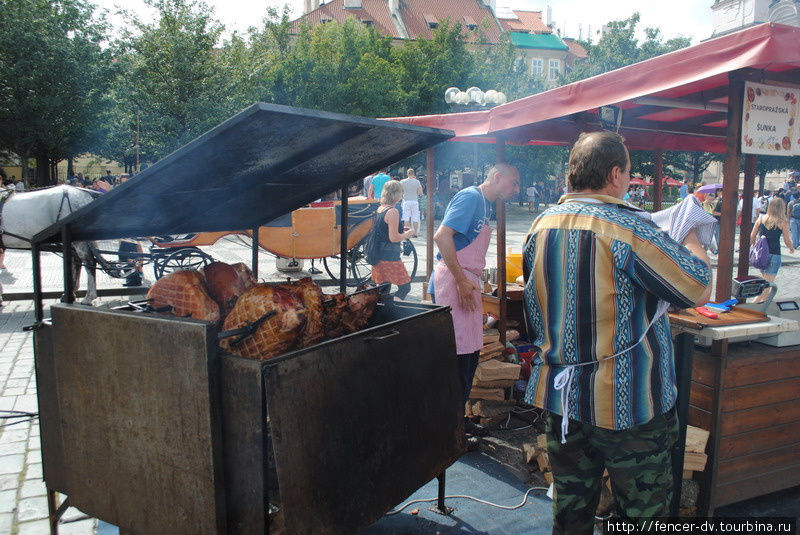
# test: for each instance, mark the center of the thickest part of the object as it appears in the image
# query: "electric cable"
(504, 507)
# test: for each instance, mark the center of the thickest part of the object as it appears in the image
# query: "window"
(537, 66)
(553, 69)
(367, 23)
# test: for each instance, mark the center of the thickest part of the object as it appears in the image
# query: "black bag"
(372, 244)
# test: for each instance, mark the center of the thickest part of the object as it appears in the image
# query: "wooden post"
(658, 178)
(430, 214)
(501, 247)
(730, 187)
(254, 264)
(747, 211)
(343, 232)
(66, 248)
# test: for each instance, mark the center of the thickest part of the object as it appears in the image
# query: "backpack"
(372, 245)
(759, 254)
(796, 210)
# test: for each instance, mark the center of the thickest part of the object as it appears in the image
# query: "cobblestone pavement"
(23, 504)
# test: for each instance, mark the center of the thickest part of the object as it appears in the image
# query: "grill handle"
(390, 334)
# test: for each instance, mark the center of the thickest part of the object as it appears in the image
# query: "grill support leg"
(55, 511)
(440, 507)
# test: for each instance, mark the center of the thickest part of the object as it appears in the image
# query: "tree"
(172, 77)
(619, 47)
(53, 77)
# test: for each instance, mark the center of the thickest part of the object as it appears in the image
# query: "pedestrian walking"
(793, 211)
(774, 225)
(412, 189)
(388, 235)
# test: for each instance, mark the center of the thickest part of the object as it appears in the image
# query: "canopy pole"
(37, 281)
(730, 186)
(66, 248)
(501, 246)
(430, 214)
(254, 265)
(747, 209)
(343, 243)
(658, 178)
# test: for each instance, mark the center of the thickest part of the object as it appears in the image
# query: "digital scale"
(787, 309)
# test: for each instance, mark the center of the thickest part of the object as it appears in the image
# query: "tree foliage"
(53, 78)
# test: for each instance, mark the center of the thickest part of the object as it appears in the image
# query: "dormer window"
(368, 23)
(469, 22)
(325, 20)
(431, 21)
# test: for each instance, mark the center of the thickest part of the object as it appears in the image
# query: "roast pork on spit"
(185, 292)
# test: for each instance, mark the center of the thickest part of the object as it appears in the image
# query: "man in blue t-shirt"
(378, 181)
(463, 240)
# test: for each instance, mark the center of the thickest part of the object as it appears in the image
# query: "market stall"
(149, 424)
(693, 99)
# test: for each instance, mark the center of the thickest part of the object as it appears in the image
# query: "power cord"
(23, 415)
(504, 507)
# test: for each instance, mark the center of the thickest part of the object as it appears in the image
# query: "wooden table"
(747, 395)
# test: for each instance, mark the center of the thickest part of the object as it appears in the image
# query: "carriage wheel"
(183, 258)
(331, 264)
(109, 261)
(361, 271)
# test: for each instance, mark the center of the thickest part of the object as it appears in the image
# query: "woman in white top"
(412, 189)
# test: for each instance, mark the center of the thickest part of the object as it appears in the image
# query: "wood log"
(490, 409)
(694, 461)
(495, 370)
(548, 476)
(491, 351)
(696, 439)
(502, 383)
(543, 460)
(541, 442)
(493, 394)
(530, 452)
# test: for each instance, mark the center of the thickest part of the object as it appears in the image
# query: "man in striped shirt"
(598, 281)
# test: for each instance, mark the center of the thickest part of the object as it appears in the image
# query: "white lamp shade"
(450, 94)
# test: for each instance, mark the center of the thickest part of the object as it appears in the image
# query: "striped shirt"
(597, 272)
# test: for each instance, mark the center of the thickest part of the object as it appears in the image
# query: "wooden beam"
(430, 214)
(681, 103)
(676, 127)
(501, 247)
(761, 76)
(658, 178)
(730, 188)
(747, 211)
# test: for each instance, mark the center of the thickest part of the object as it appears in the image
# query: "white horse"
(27, 213)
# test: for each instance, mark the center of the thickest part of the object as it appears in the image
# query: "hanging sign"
(610, 118)
(769, 120)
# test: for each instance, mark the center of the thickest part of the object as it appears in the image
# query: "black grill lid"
(263, 162)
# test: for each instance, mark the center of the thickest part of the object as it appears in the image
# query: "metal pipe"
(343, 243)
(37, 282)
(501, 249)
(66, 249)
(430, 183)
(440, 501)
(254, 265)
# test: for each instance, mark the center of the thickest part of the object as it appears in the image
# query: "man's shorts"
(411, 211)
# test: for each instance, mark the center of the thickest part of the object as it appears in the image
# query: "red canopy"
(677, 101)
(673, 182)
(639, 182)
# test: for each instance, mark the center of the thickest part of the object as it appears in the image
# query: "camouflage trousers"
(639, 463)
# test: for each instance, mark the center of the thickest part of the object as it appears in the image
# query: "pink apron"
(468, 326)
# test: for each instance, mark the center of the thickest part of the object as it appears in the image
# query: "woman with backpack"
(386, 241)
(773, 225)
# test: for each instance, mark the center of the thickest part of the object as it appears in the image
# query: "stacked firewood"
(490, 399)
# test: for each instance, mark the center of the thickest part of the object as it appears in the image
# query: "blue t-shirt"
(378, 181)
(467, 213)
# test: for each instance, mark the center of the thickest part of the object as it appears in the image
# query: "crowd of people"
(102, 184)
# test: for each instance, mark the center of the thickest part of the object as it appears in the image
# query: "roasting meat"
(245, 274)
(225, 283)
(359, 310)
(311, 296)
(277, 334)
(185, 292)
(333, 309)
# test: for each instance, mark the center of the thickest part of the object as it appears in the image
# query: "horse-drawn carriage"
(312, 232)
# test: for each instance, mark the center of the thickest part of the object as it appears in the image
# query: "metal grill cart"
(148, 425)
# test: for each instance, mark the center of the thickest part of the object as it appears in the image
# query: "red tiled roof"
(413, 11)
(373, 10)
(526, 21)
(575, 48)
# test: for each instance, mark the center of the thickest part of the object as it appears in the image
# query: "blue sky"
(687, 18)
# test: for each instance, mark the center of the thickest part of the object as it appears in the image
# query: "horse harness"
(7, 193)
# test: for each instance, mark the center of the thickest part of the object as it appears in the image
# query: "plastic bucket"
(513, 266)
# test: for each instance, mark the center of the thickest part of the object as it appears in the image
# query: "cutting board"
(738, 316)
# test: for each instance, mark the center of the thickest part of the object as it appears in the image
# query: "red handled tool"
(707, 313)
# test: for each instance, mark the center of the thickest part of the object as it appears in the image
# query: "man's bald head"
(592, 159)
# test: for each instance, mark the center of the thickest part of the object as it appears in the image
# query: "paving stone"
(33, 456)
(8, 501)
(32, 509)
(33, 487)
(6, 521)
(13, 447)
(81, 527)
(11, 464)
(13, 434)
(9, 482)
(37, 527)
(33, 471)
(27, 403)
(14, 392)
